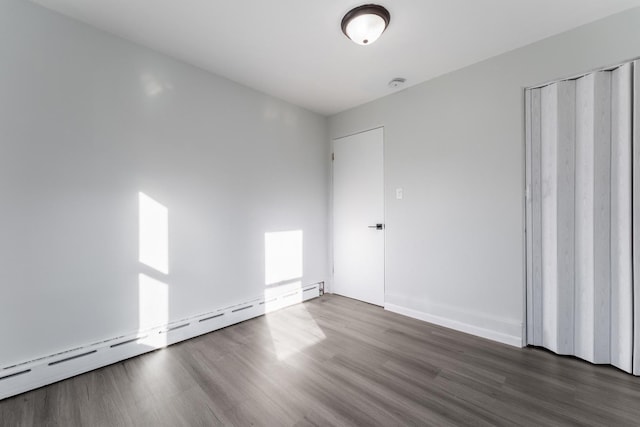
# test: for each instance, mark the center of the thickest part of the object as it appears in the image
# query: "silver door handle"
(377, 226)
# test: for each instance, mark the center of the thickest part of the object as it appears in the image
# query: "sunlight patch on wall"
(283, 256)
(283, 261)
(153, 309)
(154, 234)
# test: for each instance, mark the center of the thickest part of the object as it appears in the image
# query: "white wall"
(455, 243)
(88, 120)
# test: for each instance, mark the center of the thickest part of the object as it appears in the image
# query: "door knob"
(377, 226)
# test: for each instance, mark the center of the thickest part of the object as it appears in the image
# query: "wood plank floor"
(336, 361)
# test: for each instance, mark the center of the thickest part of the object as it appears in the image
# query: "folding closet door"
(579, 217)
(622, 283)
(636, 215)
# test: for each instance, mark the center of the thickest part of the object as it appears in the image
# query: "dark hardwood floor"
(336, 361)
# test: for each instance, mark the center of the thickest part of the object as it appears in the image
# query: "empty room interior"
(319, 213)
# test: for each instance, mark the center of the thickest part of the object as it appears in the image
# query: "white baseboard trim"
(500, 337)
(46, 370)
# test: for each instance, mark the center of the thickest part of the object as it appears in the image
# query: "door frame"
(384, 206)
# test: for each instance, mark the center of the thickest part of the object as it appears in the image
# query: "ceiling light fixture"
(364, 24)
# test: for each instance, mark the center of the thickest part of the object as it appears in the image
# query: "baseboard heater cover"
(22, 377)
(128, 341)
(77, 356)
(211, 317)
(240, 309)
(15, 374)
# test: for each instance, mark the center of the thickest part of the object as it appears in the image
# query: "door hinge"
(333, 156)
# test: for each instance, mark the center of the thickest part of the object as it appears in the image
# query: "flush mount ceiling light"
(364, 24)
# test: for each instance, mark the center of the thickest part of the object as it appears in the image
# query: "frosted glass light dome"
(365, 24)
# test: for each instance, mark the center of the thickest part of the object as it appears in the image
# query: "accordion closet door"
(581, 218)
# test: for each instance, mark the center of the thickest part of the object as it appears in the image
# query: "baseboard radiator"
(46, 370)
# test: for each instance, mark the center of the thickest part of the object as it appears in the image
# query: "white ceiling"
(295, 50)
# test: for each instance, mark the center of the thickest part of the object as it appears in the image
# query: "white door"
(358, 216)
